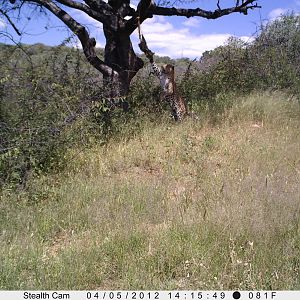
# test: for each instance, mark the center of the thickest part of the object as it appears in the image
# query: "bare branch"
(198, 12)
(10, 21)
(102, 13)
(80, 31)
(146, 9)
(97, 4)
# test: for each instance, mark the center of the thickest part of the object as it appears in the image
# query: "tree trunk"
(119, 55)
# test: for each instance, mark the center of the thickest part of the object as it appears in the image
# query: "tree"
(119, 21)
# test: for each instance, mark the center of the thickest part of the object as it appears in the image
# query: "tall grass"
(189, 206)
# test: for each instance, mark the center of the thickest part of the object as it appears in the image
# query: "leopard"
(166, 75)
(170, 92)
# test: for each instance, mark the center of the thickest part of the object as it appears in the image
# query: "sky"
(175, 37)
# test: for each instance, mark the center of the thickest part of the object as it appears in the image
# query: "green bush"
(41, 97)
(269, 62)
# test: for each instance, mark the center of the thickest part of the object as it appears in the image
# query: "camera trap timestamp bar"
(150, 295)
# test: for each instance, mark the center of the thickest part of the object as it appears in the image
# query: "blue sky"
(172, 36)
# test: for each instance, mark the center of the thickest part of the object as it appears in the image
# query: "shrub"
(40, 98)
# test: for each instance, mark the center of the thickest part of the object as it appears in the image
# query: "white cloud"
(2, 24)
(277, 12)
(166, 40)
(192, 22)
(157, 24)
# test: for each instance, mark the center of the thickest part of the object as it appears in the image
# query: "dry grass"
(186, 206)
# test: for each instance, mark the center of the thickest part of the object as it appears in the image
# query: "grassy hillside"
(189, 206)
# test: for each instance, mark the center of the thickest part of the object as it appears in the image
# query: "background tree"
(119, 21)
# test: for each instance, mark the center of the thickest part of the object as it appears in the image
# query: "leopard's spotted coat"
(170, 93)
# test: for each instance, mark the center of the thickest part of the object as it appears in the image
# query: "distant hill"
(39, 48)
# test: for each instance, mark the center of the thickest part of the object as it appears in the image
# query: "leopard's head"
(168, 69)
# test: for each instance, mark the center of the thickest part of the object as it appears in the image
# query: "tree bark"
(120, 56)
